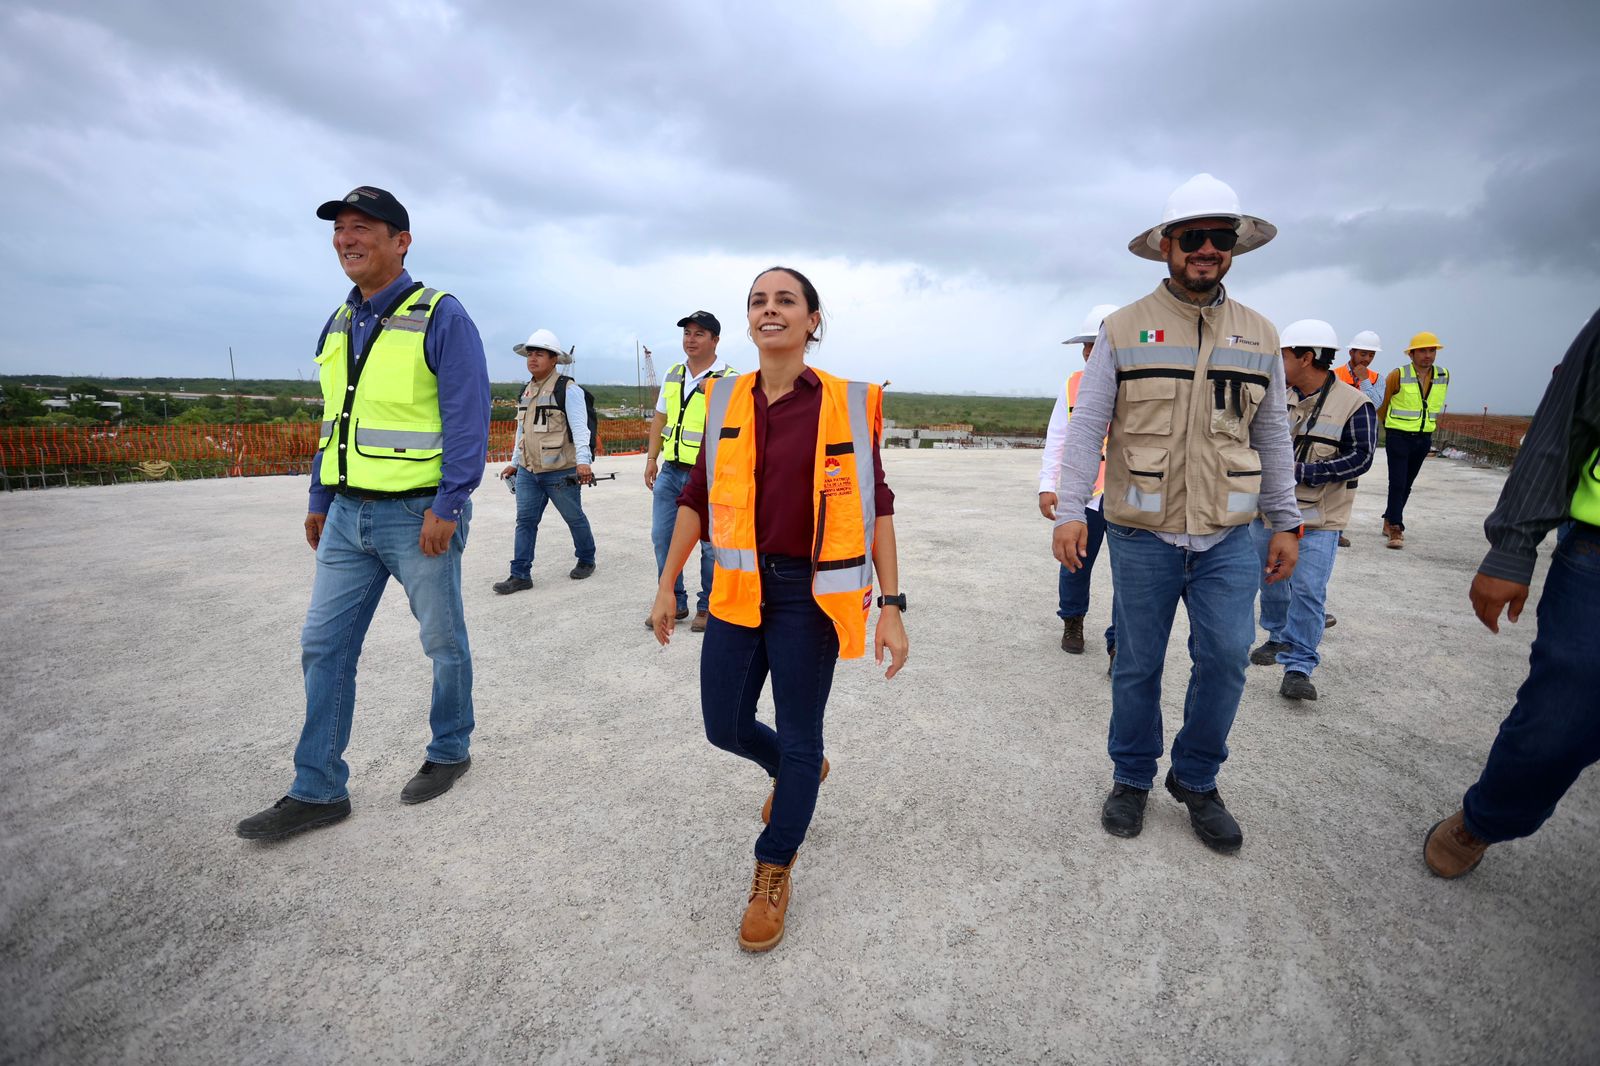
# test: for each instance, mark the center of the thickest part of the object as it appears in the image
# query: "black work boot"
(1297, 686)
(1072, 635)
(1267, 653)
(290, 816)
(433, 780)
(1123, 812)
(512, 584)
(1212, 823)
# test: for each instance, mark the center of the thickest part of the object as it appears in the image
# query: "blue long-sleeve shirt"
(1357, 443)
(454, 352)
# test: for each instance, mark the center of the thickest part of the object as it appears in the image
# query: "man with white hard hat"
(551, 459)
(1188, 384)
(1073, 586)
(1335, 435)
(1358, 372)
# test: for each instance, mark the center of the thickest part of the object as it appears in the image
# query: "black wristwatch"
(893, 601)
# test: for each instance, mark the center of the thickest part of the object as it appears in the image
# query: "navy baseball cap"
(705, 320)
(375, 202)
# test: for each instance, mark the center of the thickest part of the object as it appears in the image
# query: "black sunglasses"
(1222, 240)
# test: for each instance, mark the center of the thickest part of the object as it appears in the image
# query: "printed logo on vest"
(1236, 339)
(830, 468)
(1152, 336)
(866, 600)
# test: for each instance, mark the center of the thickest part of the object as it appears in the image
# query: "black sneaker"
(433, 780)
(1208, 815)
(512, 584)
(1122, 815)
(1329, 621)
(581, 571)
(290, 816)
(1267, 654)
(1297, 686)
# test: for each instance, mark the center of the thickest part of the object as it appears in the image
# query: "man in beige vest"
(550, 461)
(1335, 434)
(1187, 386)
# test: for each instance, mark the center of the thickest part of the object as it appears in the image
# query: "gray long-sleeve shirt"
(1537, 495)
(1097, 398)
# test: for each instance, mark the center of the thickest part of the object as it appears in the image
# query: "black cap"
(705, 320)
(372, 201)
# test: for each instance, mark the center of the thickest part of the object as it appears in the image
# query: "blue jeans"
(1073, 590)
(363, 544)
(1553, 732)
(1218, 587)
(663, 516)
(1405, 452)
(797, 645)
(1293, 611)
(533, 492)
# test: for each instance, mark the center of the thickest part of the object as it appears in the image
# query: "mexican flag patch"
(1152, 336)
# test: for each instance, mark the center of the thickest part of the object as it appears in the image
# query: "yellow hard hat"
(1423, 340)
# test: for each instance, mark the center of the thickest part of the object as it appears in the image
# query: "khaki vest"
(546, 445)
(1189, 380)
(1325, 506)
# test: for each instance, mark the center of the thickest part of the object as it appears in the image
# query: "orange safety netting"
(1506, 430)
(230, 450)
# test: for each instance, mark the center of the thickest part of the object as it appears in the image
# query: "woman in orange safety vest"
(790, 486)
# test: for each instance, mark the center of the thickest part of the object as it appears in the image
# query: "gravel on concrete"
(575, 898)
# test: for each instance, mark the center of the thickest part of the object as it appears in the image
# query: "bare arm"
(685, 534)
(891, 629)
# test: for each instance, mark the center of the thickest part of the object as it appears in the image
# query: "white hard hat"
(1366, 341)
(1203, 196)
(1091, 324)
(1308, 333)
(543, 338)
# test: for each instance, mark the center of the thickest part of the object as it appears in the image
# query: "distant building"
(948, 435)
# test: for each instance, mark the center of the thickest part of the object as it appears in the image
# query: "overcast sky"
(959, 179)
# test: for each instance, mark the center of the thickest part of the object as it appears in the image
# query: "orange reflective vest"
(1344, 375)
(1072, 402)
(843, 512)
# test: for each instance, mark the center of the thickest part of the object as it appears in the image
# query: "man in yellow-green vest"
(1412, 399)
(405, 435)
(1553, 731)
(676, 435)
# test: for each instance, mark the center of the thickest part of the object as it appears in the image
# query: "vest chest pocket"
(1233, 405)
(1144, 405)
(1147, 474)
(725, 501)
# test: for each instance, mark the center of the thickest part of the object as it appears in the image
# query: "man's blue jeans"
(1553, 732)
(363, 543)
(533, 492)
(663, 516)
(797, 644)
(1218, 587)
(1293, 612)
(1073, 590)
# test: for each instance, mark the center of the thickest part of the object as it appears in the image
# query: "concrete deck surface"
(575, 898)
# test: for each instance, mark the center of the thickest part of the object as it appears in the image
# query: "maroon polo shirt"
(786, 448)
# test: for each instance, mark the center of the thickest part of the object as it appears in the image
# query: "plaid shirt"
(1357, 443)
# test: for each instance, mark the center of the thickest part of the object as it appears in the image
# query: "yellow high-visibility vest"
(1586, 500)
(685, 430)
(1408, 410)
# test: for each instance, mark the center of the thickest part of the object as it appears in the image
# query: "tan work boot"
(762, 926)
(766, 808)
(1450, 849)
(1397, 539)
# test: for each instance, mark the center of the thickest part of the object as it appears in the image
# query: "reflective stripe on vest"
(1586, 500)
(683, 434)
(384, 433)
(1073, 382)
(1407, 408)
(1349, 379)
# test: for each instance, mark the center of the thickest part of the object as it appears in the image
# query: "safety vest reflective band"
(1408, 409)
(1586, 500)
(1073, 381)
(382, 432)
(844, 512)
(684, 432)
(1350, 379)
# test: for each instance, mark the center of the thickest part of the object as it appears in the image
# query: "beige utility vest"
(546, 444)
(1325, 506)
(1189, 380)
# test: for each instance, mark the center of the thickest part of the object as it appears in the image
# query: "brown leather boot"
(762, 926)
(766, 808)
(1397, 539)
(1072, 635)
(1450, 849)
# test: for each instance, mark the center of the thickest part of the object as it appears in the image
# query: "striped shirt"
(1537, 495)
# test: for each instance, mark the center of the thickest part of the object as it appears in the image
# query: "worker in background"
(1364, 347)
(676, 434)
(1186, 472)
(1335, 432)
(405, 392)
(1553, 731)
(1412, 399)
(1073, 585)
(550, 459)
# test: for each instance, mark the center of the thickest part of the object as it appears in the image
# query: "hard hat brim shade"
(1082, 338)
(1253, 233)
